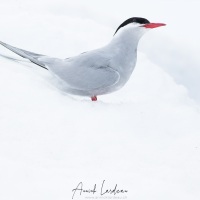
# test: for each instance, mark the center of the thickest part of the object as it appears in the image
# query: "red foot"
(94, 98)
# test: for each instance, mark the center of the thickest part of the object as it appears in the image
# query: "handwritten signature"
(80, 189)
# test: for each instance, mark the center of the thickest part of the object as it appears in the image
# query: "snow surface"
(145, 137)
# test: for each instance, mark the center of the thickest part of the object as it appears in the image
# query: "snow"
(145, 137)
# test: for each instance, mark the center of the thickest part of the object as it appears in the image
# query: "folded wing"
(86, 72)
(33, 57)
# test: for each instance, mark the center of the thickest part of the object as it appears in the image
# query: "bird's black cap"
(138, 20)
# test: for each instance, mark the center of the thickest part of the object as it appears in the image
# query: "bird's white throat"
(124, 46)
(128, 37)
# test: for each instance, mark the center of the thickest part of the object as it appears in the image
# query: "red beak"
(153, 25)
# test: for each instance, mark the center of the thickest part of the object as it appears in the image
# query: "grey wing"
(83, 74)
(88, 78)
(33, 57)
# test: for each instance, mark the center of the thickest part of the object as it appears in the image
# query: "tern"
(100, 71)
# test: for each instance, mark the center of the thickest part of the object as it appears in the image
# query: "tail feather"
(33, 57)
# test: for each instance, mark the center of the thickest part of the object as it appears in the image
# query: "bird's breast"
(125, 64)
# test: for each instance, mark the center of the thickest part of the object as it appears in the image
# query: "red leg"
(94, 98)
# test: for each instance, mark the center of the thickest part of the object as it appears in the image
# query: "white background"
(145, 137)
